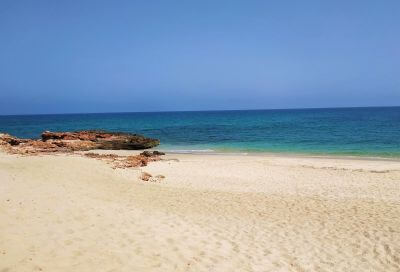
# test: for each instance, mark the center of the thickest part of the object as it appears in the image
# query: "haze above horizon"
(208, 110)
(134, 56)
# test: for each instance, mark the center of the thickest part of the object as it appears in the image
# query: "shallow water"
(346, 131)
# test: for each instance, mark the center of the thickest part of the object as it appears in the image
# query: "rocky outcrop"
(15, 145)
(63, 142)
(11, 140)
(94, 139)
(124, 161)
(76, 141)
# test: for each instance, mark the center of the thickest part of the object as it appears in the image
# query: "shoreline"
(281, 154)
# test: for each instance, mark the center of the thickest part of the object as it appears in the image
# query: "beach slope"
(209, 213)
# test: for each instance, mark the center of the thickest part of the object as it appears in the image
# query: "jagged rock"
(95, 139)
(135, 161)
(39, 145)
(145, 176)
(76, 141)
(11, 140)
(67, 142)
(152, 154)
(74, 145)
(124, 161)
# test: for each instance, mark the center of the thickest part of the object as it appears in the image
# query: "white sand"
(211, 213)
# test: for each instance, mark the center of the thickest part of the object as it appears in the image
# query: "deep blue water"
(346, 131)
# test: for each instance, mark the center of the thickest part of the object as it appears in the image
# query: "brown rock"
(136, 161)
(160, 177)
(103, 139)
(152, 154)
(40, 145)
(74, 145)
(11, 140)
(145, 176)
(123, 161)
(81, 141)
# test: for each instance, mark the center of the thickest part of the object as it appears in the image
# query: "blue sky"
(121, 56)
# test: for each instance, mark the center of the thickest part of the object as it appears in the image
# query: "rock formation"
(76, 141)
(64, 142)
(124, 161)
(96, 139)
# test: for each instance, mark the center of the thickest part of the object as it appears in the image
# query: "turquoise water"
(343, 131)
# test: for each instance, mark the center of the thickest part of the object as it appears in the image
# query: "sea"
(369, 131)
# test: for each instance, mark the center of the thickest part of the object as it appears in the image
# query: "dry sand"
(210, 213)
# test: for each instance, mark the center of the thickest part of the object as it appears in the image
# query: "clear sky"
(121, 56)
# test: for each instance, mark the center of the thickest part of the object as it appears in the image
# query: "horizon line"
(215, 110)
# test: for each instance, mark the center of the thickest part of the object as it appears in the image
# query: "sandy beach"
(210, 213)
